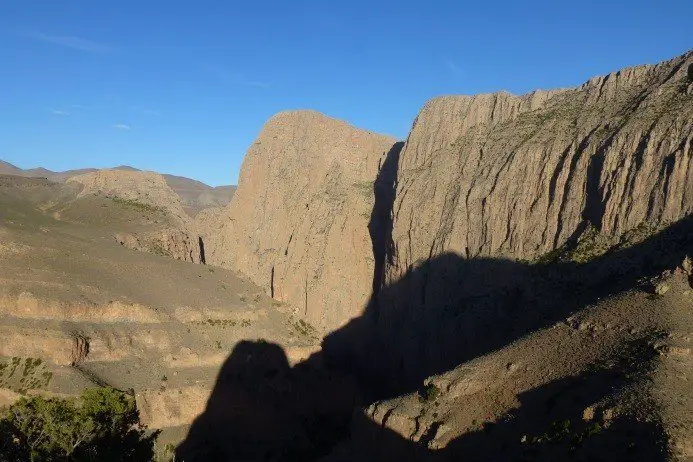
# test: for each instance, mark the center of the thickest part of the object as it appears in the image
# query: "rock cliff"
(298, 223)
(519, 176)
(316, 221)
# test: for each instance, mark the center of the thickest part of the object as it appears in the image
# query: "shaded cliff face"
(298, 223)
(519, 176)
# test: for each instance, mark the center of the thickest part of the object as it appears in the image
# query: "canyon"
(518, 262)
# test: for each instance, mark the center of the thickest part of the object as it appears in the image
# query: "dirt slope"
(78, 309)
(194, 195)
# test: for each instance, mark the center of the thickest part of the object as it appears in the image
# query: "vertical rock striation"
(298, 223)
(519, 176)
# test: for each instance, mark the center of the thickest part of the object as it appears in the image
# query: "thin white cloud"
(145, 110)
(59, 112)
(121, 126)
(69, 41)
(454, 68)
(254, 83)
(234, 78)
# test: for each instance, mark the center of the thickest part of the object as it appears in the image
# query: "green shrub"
(136, 205)
(103, 424)
(429, 393)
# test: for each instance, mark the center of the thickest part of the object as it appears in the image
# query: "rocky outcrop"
(493, 175)
(149, 193)
(209, 225)
(298, 223)
(144, 189)
(80, 348)
(181, 244)
(519, 176)
(487, 185)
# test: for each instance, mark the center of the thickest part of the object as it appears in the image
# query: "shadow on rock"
(263, 409)
(449, 310)
(441, 313)
(571, 418)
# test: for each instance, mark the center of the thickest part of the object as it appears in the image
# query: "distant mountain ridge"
(194, 194)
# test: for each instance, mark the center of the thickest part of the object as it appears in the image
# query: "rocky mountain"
(490, 175)
(501, 217)
(142, 187)
(520, 176)
(177, 236)
(299, 223)
(575, 172)
(195, 195)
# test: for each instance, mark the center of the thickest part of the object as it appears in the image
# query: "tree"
(103, 424)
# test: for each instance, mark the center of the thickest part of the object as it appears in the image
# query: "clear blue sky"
(184, 87)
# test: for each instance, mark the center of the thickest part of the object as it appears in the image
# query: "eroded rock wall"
(518, 176)
(298, 224)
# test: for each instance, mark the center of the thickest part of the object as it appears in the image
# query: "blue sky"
(184, 87)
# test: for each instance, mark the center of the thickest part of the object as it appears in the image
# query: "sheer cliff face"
(502, 175)
(298, 224)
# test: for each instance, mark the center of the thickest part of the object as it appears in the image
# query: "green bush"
(103, 424)
(429, 392)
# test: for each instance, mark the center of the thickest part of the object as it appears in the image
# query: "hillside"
(194, 194)
(91, 312)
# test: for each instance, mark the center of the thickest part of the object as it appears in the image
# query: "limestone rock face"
(517, 176)
(208, 226)
(316, 224)
(298, 224)
(485, 181)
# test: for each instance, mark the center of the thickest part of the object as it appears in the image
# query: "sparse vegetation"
(365, 188)
(428, 393)
(592, 244)
(103, 424)
(224, 323)
(303, 328)
(135, 204)
(34, 374)
(564, 432)
(157, 248)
